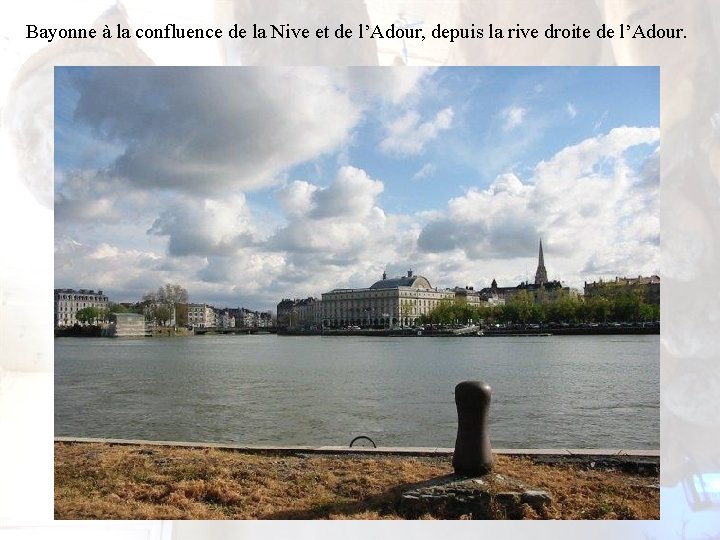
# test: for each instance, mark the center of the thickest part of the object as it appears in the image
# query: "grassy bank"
(105, 481)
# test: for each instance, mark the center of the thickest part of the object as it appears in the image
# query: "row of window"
(383, 307)
(83, 297)
(77, 307)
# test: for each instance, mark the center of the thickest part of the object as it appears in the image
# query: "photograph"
(361, 293)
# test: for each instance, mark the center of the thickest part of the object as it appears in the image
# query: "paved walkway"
(394, 450)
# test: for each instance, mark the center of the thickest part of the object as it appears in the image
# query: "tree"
(104, 314)
(176, 296)
(168, 301)
(600, 309)
(117, 308)
(564, 309)
(522, 303)
(627, 307)
(155, 310)
(406, 308)
(647, 313)
(443, 312)
(87, 315)
(162, 314)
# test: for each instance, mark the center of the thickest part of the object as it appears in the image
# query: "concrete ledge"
(394, 450)
(578, 452)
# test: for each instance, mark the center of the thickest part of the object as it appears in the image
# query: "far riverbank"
(428, 331)
(459, 331)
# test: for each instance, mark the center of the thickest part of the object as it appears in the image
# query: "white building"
(265, 319)
(224, 319)
(388, 303)
(248, 318)
(69, 301)
(201, 316)
(308, 313)
(469, 296)
(300, 313)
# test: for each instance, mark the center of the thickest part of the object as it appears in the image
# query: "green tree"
(627, 307)
(522, 303)
(117, 308)
(448, 311)
(137, 307)
(465, 312)
(104, 314)
(506, 313)
(564, 309)
(489, 314)
(646, 312)
(87, 315)
(406, 308)
(538, 313)
(600, 309)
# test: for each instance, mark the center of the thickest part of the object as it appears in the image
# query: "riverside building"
(647, 287)
(300, 313)
(69, 301)
(201, 316)
(387, 303)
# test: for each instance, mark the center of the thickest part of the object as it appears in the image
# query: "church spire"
(541, 273)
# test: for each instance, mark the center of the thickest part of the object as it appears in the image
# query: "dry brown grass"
(103, 481)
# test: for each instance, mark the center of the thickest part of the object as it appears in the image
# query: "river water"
(548, 391)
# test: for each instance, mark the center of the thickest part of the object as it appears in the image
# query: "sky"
(247, 185)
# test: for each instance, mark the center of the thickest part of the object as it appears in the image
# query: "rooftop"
(410, 280)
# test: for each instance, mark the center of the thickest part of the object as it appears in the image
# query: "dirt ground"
(106, 481)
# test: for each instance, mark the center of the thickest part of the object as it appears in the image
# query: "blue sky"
(248, 185)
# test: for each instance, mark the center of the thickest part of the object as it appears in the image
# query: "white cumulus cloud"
(408, 135)
(595, 212)
(205, 227)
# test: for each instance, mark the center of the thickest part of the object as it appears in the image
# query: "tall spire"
(541, 273)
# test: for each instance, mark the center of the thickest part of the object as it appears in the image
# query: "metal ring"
(363, 437)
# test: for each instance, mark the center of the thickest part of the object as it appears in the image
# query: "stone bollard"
(473, 455)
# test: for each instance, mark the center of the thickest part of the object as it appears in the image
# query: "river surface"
(548, 392)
